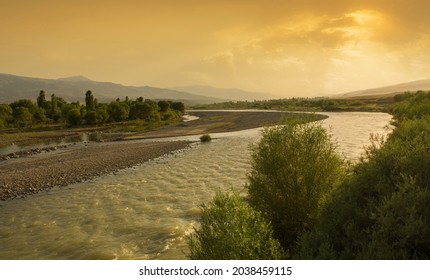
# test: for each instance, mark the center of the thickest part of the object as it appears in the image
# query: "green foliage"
(411, 106)
(25, 103)
(118, 111)
(382, 211)
(307, 104)
(39, 115)
(401, 229)
(205, 138)
(294, 168)
(91, 117)
(41, 100)
(164, 106)
(55, 108)
(153, 113)
(22, 116)
(150, 111)
(178, 106)
(5, 110)
(136, 110)
(74, 116)
(5, 115)
(89, 101)
(54, 104)
(102, 114)
(231, 229)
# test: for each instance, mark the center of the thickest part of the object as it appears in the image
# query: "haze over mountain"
(288, 48)
(226, 93)
(392, 89)
(73, 88)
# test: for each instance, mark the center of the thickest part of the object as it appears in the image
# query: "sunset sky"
(288, 48)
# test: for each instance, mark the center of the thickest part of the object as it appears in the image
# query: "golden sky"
(288, 47)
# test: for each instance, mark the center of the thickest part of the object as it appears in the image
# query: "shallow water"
(146, 212)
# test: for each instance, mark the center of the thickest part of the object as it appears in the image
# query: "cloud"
(222, 58)
(284, 46)
(322, 31)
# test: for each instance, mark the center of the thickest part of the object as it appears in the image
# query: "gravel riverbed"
(23, 176)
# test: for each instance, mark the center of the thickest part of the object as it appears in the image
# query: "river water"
(146, 212)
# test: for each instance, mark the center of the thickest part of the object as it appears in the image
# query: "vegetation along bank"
(27, 122)
(304, 202)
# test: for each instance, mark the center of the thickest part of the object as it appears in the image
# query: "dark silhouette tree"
(178, 106)
(164, 106)
(41, 99)
(89, 101)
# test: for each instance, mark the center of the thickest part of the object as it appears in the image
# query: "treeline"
(307, 104)
(303, 202)
(24, 112)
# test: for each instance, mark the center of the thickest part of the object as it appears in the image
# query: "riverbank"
(221, 121)
(35, 171)
(25, 176)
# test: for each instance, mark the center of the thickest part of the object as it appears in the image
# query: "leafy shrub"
(401, 229)
(74, 116)
(294, 168)
(205, 138)
(411, 105)
(382, 211)
(231, 229)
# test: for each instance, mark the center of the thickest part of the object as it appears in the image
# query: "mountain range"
(226, 93)
(14, 87)
(73, 88)
(389, 90)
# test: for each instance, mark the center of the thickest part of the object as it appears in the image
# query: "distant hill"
(226, 93)
(73, 88)
(389, 90)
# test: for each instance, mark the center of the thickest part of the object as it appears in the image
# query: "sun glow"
(267, 46)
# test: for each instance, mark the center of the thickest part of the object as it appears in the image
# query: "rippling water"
(147, 211)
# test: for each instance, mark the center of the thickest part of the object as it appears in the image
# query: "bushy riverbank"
(378, 210)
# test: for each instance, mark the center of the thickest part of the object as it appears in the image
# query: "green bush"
(382, 210)
(294, 168)
(205, 138)
(379, 210)
(74, 116)
(411, 106)
(401, 229)
(379, 213)
(231, 229)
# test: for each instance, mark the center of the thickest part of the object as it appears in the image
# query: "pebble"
(82, 165)
(32, 152)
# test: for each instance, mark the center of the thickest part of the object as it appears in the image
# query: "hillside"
(233, 94)
(387, 90)
(73, 88)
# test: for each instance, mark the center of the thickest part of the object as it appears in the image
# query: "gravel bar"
(23, 176)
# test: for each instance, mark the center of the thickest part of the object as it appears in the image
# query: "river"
(146, 212)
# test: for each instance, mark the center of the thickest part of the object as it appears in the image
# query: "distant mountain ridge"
(14, 87)
(233, 94)
(78, 78)
(393, 89)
